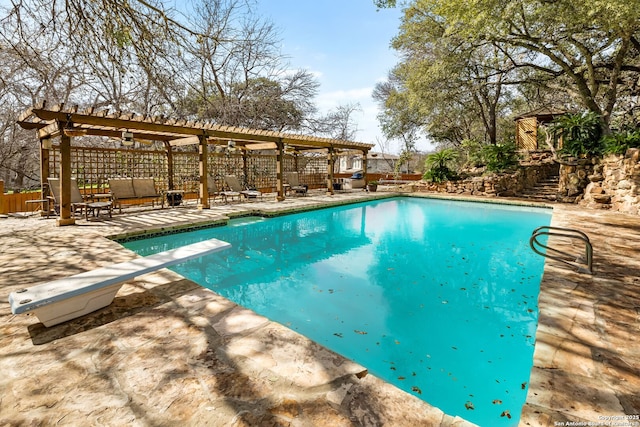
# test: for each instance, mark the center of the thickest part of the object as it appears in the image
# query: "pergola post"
(245, 168)
(365, 153)
(279, 171)
(65, 179)
(330, 152)
(45, 146)
(169, 165)
(203, 157)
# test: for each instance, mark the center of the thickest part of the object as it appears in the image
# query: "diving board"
(65, 299)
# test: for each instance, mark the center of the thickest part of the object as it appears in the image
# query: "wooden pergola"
(64, 123)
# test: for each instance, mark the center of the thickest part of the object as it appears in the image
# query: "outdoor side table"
(96, 207)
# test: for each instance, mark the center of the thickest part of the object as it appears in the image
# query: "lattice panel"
(261, 172)
(92, 167)
(186, 171)
(312, 171)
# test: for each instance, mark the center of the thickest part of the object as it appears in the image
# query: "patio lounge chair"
(294, 184)
(214, 192)
(77, 201)
(234, 184)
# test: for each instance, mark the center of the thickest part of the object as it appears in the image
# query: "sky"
(346, 45)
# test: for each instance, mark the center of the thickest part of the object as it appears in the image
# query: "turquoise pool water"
(437, 297)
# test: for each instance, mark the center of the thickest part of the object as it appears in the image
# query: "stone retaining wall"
(615, 184)
(574, 178)
(494, 185)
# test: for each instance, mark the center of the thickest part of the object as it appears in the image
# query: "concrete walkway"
(169, 352)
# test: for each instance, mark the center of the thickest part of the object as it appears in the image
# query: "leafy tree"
(451, 85)
(587, 50)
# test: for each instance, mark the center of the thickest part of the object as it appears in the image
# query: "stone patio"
(169, 352)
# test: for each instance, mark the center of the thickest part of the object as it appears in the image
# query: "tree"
(337, 123)
(451, 85)
(592, 47)
(221, 63)
(397, 119)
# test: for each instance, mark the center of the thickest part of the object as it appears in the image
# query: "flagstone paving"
(169, 352)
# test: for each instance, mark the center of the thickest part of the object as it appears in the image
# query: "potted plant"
(372, 186)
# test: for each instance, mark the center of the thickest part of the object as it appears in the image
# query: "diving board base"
(76, 306)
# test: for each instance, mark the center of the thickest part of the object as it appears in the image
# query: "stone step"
(544, 190)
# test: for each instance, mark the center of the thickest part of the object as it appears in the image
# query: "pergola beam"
(51, 121)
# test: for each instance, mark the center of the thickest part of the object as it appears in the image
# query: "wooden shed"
(527, 126)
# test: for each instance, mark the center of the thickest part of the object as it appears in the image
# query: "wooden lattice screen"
(93, 167)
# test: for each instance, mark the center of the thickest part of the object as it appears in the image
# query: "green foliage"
(500, 157)
(582, 134)
(460, 56)
(472, 150)
(438, 166)
(619, 143)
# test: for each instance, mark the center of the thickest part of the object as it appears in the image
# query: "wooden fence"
(17, 202)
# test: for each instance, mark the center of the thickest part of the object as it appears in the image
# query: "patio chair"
(78, 202)
(294, 184)
(234, 184)
(214, 192)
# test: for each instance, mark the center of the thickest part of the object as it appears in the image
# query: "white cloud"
(330, 100)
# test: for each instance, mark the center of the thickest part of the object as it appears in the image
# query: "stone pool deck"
(168, 352)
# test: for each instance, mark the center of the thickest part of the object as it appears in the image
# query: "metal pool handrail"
(579, 262)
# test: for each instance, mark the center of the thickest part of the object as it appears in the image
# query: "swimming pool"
(437, 297)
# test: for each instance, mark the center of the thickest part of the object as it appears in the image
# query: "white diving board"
(65, 299)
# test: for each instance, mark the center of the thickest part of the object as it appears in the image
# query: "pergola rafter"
(63, 122)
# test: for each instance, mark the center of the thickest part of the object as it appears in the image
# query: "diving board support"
(65, 299)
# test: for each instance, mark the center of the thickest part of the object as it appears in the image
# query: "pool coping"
(605, 372)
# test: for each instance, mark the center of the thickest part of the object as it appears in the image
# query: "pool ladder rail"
(579, 263)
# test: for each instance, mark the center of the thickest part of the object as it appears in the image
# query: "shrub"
(619, 143)
(500, 157)
(472, 150)
(582, 134)
(437, 166)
